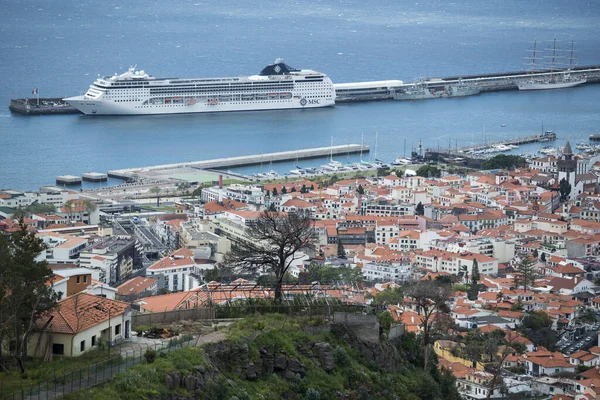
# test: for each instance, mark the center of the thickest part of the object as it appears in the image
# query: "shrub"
(150, 356)
(313, 394)
(340, 357)
(142, 328)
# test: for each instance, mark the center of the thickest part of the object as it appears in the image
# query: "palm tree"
(89, 208)
(156, 191)
(464, 272)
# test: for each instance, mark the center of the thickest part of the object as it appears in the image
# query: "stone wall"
(365, 327)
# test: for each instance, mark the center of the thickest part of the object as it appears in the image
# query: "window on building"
(78, 279)
(85, 279)
(118, 329)
(93, 340)
(58, 348)
(82, 345)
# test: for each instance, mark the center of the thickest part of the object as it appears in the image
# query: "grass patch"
(145, 381)
(63, 369)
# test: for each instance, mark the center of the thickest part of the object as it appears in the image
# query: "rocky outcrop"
(325, 356)
(234, 357)
(382, 354)
(194, 383)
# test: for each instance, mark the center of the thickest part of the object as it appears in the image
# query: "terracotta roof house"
(78, 323)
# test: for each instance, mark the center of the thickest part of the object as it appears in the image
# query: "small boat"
(548, 150)
(402, 161)
(503, 125)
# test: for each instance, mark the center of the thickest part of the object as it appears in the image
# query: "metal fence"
(324, 310)
(95, 374)
(72, 381)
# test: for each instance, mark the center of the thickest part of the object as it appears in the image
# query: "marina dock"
(475, 155)
(68, 180)
(231, 162)
(385, 90)
(94, 177)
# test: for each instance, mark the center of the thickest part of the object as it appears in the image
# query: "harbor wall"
(242, 161)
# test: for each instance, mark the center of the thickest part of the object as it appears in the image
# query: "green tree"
(535, 253)
(503, 161)
(537, 327)
(275, 191)
(341, 252)
(25, 295)
(475, 276)
(420, 209)
(360, 190)
(388, 297)
(272, 244)
(564, 188)
(293, 189)
(526, 274)
(312, 187)
(429, 171)
(543, 257)
(330, 274)
(283, 190)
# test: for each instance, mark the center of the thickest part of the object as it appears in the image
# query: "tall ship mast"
(278, 86)
(558, 78)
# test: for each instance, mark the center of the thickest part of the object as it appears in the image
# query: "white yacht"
(277, 86)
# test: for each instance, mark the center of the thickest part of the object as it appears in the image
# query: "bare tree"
(272, 244)
(431, 300)
(499, 346)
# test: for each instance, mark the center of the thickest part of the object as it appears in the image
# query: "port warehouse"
(383, 90)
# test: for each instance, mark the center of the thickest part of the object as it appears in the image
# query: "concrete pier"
(43, 106)
(226, 163)
(384, 90)
(94, 177)
(68, 180)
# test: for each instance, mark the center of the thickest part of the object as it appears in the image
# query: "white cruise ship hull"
(107, 107)
(277, 87)
(548, 85)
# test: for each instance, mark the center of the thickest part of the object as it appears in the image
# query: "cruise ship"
(277, 86)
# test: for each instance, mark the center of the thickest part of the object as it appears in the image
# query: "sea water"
(61, 47)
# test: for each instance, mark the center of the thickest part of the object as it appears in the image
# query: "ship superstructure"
(277, 86)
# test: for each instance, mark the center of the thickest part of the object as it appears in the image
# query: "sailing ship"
(556, 79)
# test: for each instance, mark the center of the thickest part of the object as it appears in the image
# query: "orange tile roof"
(135, 286)
(82, 311)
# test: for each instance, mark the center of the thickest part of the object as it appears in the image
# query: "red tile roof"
(82, 311)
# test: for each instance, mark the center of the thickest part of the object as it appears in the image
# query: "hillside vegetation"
(281, 357)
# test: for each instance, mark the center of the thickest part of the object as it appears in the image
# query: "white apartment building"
(61, 248)
(178, 271)
(445, 261)
(245, 193)
(396, 271)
